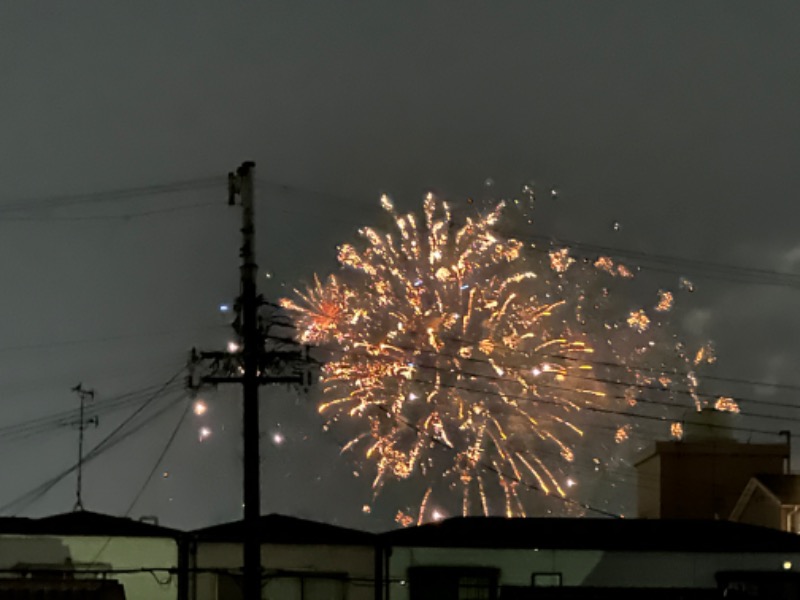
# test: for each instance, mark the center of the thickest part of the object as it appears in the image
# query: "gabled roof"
(281, 529)
(15, 524)
(85, 522)
(780, 489)
(786, 488)
(595, 534)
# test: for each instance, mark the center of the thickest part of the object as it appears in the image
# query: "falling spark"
(666, 300)
(560, 260)
(200, 408)
(638, 320)
(233, 347)
(706, 354)
(685, 284)
(204, 433)
(726, 404)
(623, 433)
(450, 351)
(278, 439)
(403, 519)
(676, 430)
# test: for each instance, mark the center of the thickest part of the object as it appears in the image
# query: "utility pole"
(83, 396)
(252, 365)
(242, 183)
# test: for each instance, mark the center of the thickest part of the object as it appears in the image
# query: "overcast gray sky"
(678, 120)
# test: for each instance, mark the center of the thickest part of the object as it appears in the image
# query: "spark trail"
(466, 360)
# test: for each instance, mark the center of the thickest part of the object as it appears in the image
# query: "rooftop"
(786, 488)
(281, 529)
(84, 522)
(596, 534)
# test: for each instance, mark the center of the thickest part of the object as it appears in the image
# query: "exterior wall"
(790, 518)
(762, 510)
(586, 567)
(357, 562)
(704, 480)
(648, 488)
(76, 552)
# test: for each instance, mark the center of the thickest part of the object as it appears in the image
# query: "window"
(453, 583)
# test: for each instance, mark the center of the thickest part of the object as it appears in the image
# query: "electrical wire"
(105, 218)
(118, 195)
(587, 407)
(149, 477)
(109, 441)
(610, 364)
(48, 423)
(655, 262)
(157, 463)
(500, 473)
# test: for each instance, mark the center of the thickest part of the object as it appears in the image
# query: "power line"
(655, 262)
(149, 477)
(105, 444)
(644, 368)
(54, 421)
(118, 195)
(106, 218)
(500, 473)
(587, 407)
(35, 494)
(606, 381)
(107, 339)
(160, 458)
(703, 267)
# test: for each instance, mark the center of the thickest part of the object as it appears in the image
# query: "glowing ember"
(560, 260)
(665, 301)
(726, 404)
(622, 434)
(403, 519)
(706, 354)
(638, 320)
(455, 357)
(676, 430)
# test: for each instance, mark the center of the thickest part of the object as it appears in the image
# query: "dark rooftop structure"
(84, 522)
(281, 529)
(785, 488)
(687, 535)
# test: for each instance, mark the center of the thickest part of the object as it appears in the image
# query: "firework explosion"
(474, 363)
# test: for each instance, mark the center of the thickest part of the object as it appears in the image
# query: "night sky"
(677, 120)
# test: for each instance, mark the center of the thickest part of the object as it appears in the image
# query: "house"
(479, 558)
(703, 475)
(302, 560)
(770, 501)
(91, 555)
